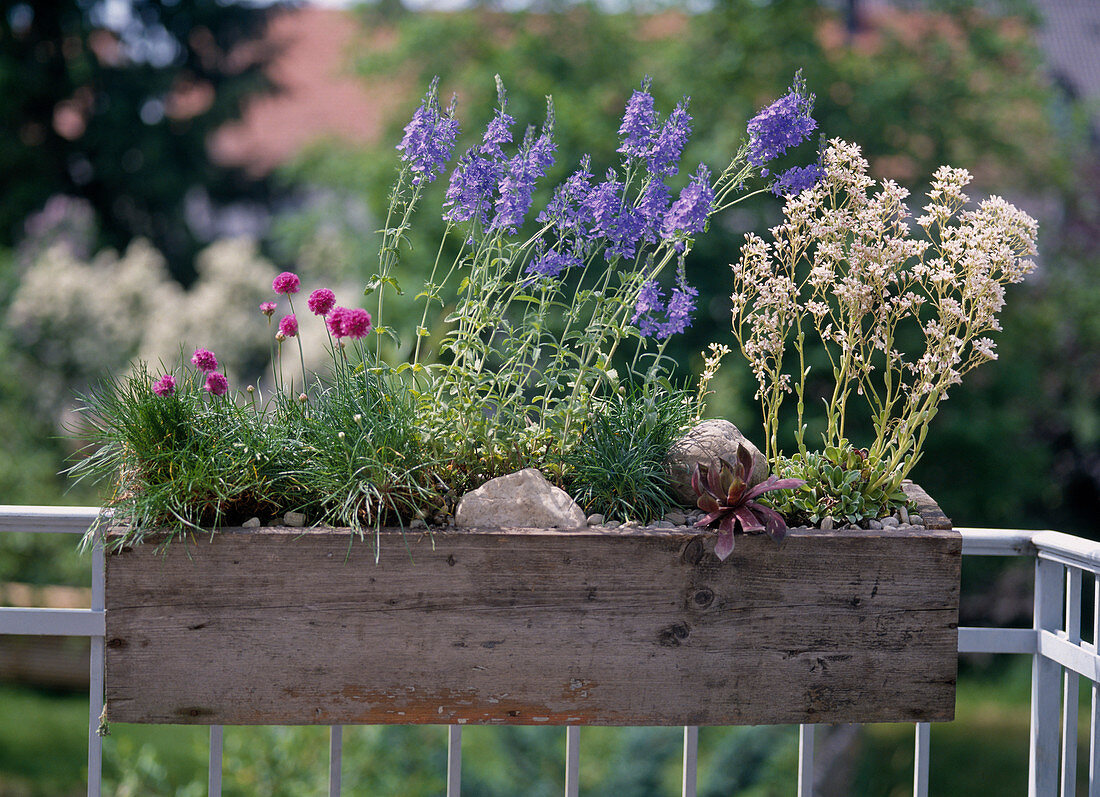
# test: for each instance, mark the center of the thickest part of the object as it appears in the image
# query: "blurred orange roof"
(316, 96)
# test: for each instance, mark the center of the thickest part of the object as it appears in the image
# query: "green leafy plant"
(727, 495)
(618, 466)
(840, 482)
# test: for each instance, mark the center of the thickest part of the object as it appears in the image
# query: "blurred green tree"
(113, 102)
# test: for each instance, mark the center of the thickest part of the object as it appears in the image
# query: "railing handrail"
(1054, 642)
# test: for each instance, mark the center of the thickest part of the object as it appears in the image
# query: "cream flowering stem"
(847, 267)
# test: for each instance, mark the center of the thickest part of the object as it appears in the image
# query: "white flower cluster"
(845, 265)
(78, 319)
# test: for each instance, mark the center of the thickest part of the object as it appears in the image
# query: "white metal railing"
(1060, 657)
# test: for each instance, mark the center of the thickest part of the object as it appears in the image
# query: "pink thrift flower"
(216, 384)
(321, 301)
(287, 282)
(205, 360)
(165, 386)
(335, 321)
(356, 323)
(267, 308)
(289, 326)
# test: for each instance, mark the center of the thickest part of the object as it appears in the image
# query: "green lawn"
(43, 752)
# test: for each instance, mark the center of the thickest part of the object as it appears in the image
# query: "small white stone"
(612, 524)
(294, 519)
(916, 520)
(903, 515)
(596, 520)
(889, 522)
(874, 524)
(826, 523)
(251, 523)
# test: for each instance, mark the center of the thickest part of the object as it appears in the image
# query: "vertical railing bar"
(572, 760)
(1094, 724)
(1071, 685)
(806, 760)
(691, 759)
(454, 760)
(95, 679)
(215, 780)
(335, 759)
(921, 744)
(1043, 759)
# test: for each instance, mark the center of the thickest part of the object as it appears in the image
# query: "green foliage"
(88, 111)
(617, 468)
(349, 457)
(842, 482)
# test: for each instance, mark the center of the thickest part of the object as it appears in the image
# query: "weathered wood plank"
(534, 626)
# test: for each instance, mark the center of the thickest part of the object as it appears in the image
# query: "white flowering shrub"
(846, 267)
(78, 319)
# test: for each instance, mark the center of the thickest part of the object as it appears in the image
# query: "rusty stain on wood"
(534, 626)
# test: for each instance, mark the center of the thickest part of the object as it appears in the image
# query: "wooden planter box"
(530, 626)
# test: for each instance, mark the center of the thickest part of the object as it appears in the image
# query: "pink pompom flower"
(287, 282)
(321, 301)
(289, 326)
(165, 386)
(356, 323)
(204, 360)
(335, 321)
(267, 308)
(216, 384)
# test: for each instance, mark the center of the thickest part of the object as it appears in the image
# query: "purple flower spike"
(552, 264)
(321, 301)
(267, 308)
(204, 360)
(165, 386)
(680, 308)
(664, 156)
(356, 323)
(797, 179)
(688, 214)
(429, 138)
(518, 184)
(289, 325)
(287, 282)
(784, 124)
(650, 302)
(636, 130)
(479, 171)
(216, 384)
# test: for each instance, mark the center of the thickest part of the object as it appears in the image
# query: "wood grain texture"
(533, 626)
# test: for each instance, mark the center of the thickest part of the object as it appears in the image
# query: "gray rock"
(874, 524)
(612, 524)
(664, 524)
(705, 442)
(294, 519)
(596, 520)
(675, 517)
(418, 523)
(889, 522)
(519, 500)
(903, 515)
(251, 523)
(916, 520)
(826, 523)
(852, 526)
